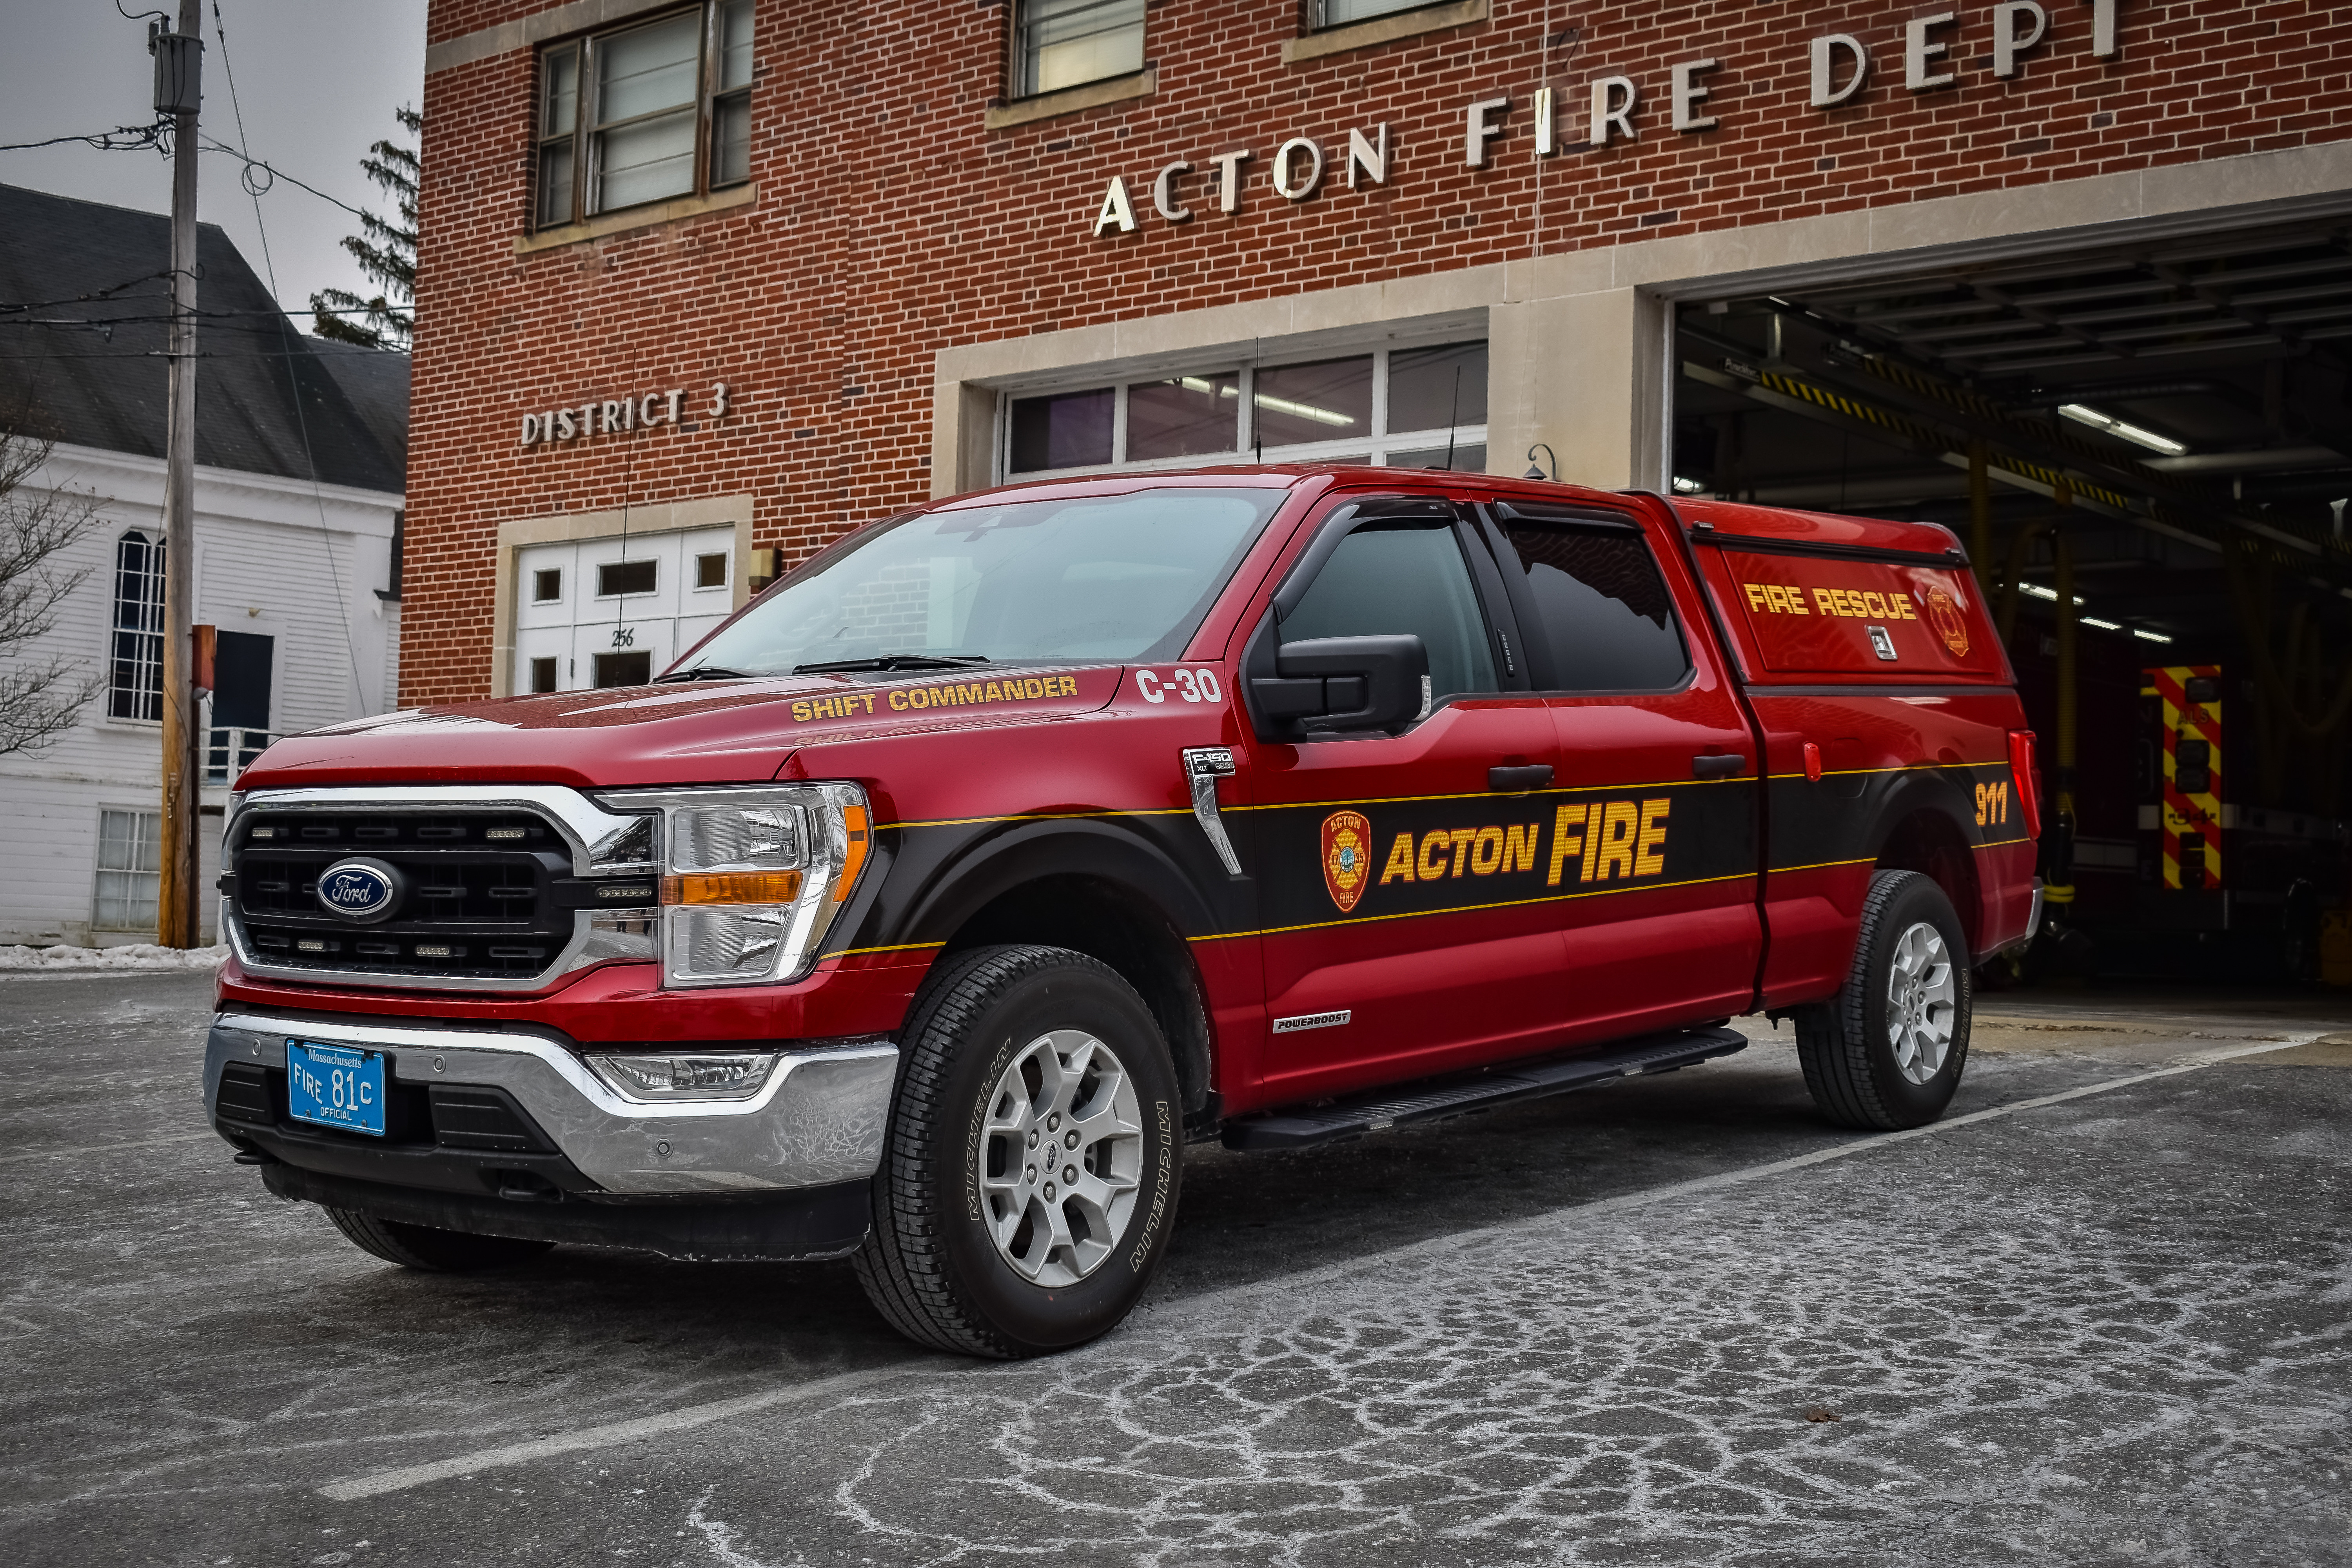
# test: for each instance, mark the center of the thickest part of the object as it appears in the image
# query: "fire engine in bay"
(930, 907)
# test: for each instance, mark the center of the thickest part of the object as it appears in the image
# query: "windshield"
(1084, 578)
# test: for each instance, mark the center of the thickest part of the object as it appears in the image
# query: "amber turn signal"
(732, 887)
(859, 838)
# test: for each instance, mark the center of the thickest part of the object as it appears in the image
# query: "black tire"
(931, 1264)
(434, 1251)
(1851, 1062)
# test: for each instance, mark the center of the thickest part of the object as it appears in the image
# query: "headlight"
(751, 878)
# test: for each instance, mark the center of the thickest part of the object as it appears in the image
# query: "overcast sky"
(318, 82)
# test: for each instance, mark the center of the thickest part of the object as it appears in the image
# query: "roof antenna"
(1257, 431)
(1453, 417)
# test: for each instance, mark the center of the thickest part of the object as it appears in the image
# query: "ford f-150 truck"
(929, 906)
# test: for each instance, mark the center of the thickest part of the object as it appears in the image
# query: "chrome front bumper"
(819, 1119)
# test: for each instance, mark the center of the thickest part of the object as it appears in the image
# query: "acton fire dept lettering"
(1936, 53)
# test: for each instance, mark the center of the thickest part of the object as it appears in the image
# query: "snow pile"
(137, 955)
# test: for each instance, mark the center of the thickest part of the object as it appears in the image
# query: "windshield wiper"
(895, 661)
(704, 672)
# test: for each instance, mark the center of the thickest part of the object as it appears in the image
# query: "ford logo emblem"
(362, 890)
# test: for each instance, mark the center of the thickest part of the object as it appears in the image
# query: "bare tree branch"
(42, 694)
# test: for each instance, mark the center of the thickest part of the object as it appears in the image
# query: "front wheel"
(1889, 1051)
(1030, 1175)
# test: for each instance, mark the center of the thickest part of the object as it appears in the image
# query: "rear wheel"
(435, 1252)
(1031, 1172)
(1889, 1051)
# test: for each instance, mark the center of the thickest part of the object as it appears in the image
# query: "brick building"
(704, 281)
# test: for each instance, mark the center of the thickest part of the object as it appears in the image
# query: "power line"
(141, 137)
(275, 173)
(301, 416)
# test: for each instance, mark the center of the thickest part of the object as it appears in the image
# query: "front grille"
(488, 894)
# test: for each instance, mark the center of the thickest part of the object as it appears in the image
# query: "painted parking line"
(693, 1416)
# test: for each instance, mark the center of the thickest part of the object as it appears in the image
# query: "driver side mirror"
(1346, 683)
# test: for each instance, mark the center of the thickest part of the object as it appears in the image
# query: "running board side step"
(1438, 1097)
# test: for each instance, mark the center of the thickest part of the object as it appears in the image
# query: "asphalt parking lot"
(2100, 1315)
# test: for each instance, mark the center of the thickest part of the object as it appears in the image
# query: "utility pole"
(177, 93)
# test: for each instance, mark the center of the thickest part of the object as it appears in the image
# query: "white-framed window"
(1400, 406)
(134, 666)
(129, 870)
(1339, 12)
(1069, 43)
(648, 112)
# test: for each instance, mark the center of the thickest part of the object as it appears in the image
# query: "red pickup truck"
(928, 907)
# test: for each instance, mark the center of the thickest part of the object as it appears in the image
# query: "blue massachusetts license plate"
(335, 1086)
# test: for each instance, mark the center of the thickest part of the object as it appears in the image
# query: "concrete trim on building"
(629, 218)
(577, 17)
(658, 517)
(1070, 99)
(1610, 305)
(1381, 30)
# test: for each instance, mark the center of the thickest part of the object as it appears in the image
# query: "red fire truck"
(930, 907)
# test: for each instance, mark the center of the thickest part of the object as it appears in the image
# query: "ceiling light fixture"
(2037, 591)
(2146, 636)
(2102, 625)
(2121, 430)
(1195, 383)
(1302, 410)
(1686, 486)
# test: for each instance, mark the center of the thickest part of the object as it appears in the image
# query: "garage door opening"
(2146, 451)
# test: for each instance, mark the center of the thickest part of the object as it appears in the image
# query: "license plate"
(334, 1086)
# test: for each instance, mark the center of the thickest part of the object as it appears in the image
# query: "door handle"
(1204, 766)
(1517, 781)
(1718, 767)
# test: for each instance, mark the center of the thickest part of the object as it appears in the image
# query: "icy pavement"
(2107, 1330)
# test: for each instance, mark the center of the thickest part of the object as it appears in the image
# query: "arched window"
(135, 667)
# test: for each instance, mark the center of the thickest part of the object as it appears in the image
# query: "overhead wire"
(141, 136)
(301, 416)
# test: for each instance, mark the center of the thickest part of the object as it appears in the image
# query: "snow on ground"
(137, 955)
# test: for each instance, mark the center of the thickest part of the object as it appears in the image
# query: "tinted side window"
(1600, 605)
(1406, 575)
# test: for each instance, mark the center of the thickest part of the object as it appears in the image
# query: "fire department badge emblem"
(1347, 857)
(1944, 614)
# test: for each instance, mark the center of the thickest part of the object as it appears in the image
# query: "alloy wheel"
(1922, 1000)
(1061, 1157)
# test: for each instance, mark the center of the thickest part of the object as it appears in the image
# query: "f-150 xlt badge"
(359, 889)
(1347, 855)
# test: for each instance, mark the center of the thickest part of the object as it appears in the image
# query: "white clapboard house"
(301, 450)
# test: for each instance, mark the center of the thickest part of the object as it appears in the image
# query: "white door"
(614, 611)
